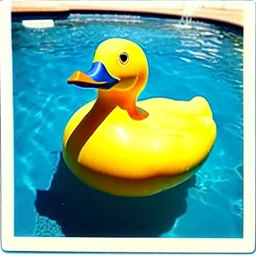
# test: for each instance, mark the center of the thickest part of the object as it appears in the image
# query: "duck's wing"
(186, 130)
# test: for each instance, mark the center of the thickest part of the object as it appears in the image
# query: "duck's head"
(118, 65)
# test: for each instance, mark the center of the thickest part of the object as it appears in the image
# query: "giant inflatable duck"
(126, 147)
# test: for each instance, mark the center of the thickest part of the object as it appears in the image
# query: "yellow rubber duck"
(128, 148)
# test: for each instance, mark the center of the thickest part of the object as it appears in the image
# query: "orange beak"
(79, 78)
(96, 77)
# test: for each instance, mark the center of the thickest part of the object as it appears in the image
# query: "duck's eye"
(124, 58)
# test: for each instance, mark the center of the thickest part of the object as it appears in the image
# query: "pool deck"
(231, 12)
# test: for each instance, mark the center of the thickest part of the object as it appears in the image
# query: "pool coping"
(216, 11)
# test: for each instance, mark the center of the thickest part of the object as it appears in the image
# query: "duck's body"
(138, 149)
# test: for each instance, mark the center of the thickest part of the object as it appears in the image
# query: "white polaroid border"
(112, 245)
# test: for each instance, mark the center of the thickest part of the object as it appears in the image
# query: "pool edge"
(230, 13)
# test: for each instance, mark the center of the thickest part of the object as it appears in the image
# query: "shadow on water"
(85, 212)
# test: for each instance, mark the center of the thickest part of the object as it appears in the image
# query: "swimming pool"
(202, 59)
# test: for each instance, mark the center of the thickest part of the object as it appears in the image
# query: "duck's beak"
(96, 77)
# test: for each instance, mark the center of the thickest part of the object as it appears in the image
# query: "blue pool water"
(185, 61)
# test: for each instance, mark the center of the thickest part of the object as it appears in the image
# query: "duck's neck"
(125, 99)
